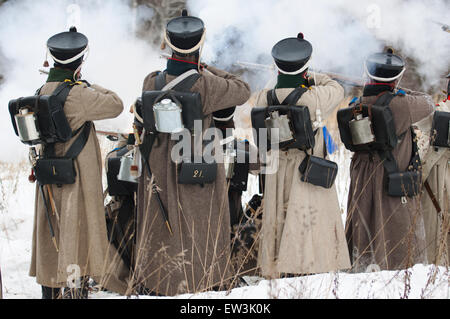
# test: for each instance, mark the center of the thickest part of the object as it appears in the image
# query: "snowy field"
(16, 224)
(343, 34)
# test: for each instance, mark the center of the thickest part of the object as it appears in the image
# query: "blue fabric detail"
(330, 144)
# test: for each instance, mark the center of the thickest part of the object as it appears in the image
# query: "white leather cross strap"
(178, 79)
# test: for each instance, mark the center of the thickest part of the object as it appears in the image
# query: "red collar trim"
(179, 60)
(378, 83)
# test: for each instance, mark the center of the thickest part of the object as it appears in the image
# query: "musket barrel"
(47, 215)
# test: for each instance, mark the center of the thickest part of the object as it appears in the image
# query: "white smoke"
(342, 32)
(117, 59)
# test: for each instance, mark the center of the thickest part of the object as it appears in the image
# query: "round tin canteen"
(168, 117)
(279, 123)
(126, 171)
(361, 130)
(26, 125)
(229, 161)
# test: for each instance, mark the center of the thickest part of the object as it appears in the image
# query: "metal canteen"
(136, 167)
(125, 171)
(168, 116)
(280, 124)
(26, 125)
(229, 161)
(361, 130)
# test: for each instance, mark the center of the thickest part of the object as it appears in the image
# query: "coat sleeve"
(100, 103)
(326, 94)
(223, 90)
(260, 98)
(420, 105)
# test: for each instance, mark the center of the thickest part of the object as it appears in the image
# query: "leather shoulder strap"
(160, 81)
(77, 146)
(384, 99)
(62, 91)
(38, 91)
(294, 96)
(272, 98)
(389, 162)
(184, 82)
(187, 84)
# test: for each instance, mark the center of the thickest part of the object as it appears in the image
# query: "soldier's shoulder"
(152, 75)
(81, 87)
(260, 97)
(148, 80)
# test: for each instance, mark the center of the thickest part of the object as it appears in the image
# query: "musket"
(345, 79)
(52, 201)
(47, 215)
(108, 133)
(256, 66)
(165, 55)
(444, 27)
(145, 151)
(32, 157)
(158, 199)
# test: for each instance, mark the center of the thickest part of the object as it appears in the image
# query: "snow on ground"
(414, 283)
(384, 284)
(16, 225)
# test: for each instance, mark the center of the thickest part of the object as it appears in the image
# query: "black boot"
(51, 293)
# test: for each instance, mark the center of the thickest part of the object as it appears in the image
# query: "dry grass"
(238, 264)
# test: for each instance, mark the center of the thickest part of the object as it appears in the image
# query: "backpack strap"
(61, 93)
(389, 162)
(272, 98)
(38, 91)
(63, 90)
(160, 80)
(384, 98)
(184, 82)
(77, 146)
(187, 84)
(294, 96)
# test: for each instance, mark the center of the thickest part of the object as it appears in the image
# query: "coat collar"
(59, 75)
(290, 81)
(373, 89)
(177, 67)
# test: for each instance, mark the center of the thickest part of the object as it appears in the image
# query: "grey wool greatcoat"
(435, 163)
(302, 230)
(81, 233)
(381, 230)
(197, 256)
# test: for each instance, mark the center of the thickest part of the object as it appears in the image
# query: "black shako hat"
(67, 45)
(385, 66)
(291, 54)
(184, 32)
